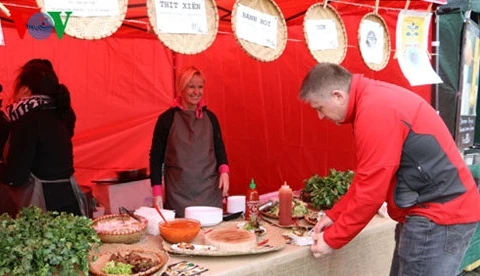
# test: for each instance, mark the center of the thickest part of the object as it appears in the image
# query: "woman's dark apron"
(46, 195)
(191, 177)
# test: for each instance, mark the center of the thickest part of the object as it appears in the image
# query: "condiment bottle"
(252, 202)
(285, 197)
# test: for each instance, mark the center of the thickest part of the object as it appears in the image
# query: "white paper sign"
(181, 16)
(412, 48)
(371, 41)
(2, 40)
(257, 27)
(322, 34)
(84, 8)
(415, 65)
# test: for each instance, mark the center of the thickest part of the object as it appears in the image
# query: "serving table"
(368, 254)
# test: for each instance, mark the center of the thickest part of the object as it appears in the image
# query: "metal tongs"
(124, 210)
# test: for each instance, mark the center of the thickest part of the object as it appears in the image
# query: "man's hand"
(319, 247)
(322, 223)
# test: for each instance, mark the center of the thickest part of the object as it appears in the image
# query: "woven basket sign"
(254, 50)
(326, 13)
(93, 27)
(187, 43)
(374, 41)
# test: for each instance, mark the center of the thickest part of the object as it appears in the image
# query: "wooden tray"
(269, 242)
(99, 261)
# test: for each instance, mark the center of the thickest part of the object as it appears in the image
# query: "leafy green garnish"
(39, 243)
(117, 268)
(326, 191)
(299, 208)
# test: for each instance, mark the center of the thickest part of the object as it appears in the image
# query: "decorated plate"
(205, 250)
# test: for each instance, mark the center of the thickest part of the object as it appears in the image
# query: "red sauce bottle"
(285, 197)
(252, 202)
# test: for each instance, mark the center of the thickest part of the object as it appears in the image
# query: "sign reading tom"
(184, 26)
(325, 33)
(259, 28)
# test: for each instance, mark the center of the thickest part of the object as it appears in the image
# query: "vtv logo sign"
(41, 25)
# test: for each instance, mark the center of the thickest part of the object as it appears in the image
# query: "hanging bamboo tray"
(320, 11)
(254, 50)
(93, 27)
(187, 43)
(367, 48)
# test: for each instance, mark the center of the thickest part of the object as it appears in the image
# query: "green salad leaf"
(117, 268)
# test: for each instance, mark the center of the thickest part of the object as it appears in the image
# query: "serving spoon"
(130, 213)
(159, 212)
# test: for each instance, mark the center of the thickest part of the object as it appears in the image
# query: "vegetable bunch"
(326, 191)
(41, 243)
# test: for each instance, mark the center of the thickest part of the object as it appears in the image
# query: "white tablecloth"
(369, 254)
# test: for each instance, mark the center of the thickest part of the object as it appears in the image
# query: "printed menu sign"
(257, 27)
(84, 8)
(322, 34)
(465, 131)
(181, 16)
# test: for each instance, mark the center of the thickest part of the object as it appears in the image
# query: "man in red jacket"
(405, 157)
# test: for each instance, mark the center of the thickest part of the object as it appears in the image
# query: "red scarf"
(177, 102)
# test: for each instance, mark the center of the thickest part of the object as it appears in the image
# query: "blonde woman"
(187, 150)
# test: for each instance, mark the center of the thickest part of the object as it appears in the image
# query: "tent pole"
(437, 62)
(4, 10)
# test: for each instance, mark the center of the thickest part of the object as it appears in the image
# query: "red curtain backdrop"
(120, 85)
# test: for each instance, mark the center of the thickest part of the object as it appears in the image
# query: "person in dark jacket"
(406, 157)
(187, 145)
(39, 148)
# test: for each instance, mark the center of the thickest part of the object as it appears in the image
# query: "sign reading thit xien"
(41, 25)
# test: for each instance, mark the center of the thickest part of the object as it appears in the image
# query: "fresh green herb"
(299, 208)
(41, 243)
(324, 192)
(117, 268)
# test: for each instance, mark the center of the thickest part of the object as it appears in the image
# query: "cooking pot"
(130, 175)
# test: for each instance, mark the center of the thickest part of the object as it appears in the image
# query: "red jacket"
(406, 157)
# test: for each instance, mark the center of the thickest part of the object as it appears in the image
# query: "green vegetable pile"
(299, 208)
(38, 243)
(117, 268)
(324, 192)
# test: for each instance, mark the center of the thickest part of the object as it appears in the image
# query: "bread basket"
(120, 228)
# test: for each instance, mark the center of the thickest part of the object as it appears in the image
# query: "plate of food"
(132, 261)
(299, 236)
(299, 209)
(229, 241)
(312, 217)
(253, 226)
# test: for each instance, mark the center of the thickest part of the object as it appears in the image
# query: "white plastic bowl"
(208, 216)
